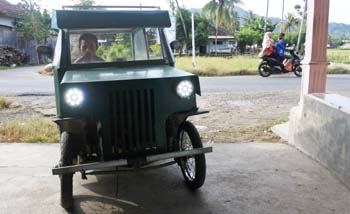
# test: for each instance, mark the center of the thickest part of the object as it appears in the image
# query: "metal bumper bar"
(124, 162)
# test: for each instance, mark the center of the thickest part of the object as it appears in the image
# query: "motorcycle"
(272, 65)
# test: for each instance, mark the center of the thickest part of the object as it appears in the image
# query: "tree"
(250, 18)
(257, 24)
(32, 22)
(201, 24)
(335, 41)
(290, 23)
(222, 11)
(183, 24)
(247, 36)
(201, 28)
(84, 3)
(179, 13)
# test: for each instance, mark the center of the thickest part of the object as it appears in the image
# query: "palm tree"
(222, 11)
(290, 23)
(250, 18)
(183, 23)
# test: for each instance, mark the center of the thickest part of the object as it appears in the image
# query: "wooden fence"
(17, 40)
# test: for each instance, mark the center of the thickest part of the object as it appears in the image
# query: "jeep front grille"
(132, 124)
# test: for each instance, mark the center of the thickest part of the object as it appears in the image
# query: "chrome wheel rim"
(299, 70)
(263, 70)
(188, 163)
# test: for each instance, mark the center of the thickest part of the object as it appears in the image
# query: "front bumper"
(124, 162)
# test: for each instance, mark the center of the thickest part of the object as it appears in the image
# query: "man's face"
(87, 48)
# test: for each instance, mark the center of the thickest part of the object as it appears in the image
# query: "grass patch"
(4, 67)
(338, 56)
(256, 132)
(248, 64)
(4, 104)
(338, 70)
(31, 131)
(219, 66)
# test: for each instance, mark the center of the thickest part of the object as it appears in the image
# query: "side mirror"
(175, 45)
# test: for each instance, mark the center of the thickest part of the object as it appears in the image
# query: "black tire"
(188, 130)
(298, 70)
(67, 154)
(264, 69)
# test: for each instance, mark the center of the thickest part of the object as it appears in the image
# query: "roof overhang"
(221, 37)
(84, 19)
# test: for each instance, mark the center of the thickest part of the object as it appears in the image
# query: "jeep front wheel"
(66, 179)
(193, 168)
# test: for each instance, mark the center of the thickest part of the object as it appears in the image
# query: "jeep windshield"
(115, 45)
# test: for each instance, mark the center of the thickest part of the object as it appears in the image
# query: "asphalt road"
(25, 81)
(247, 178)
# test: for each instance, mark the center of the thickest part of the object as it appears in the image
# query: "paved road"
(335, 83)
(241, 178)
(22, 81)
(25, 81)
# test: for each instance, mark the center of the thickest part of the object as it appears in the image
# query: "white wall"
(320, 128)
(6, 21)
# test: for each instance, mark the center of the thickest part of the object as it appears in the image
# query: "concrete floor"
(241, 178)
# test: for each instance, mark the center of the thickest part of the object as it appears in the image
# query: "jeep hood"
(122, 74)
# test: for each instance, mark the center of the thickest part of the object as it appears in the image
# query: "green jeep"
(120, 101)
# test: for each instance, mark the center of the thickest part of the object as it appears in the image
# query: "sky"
(338, 8)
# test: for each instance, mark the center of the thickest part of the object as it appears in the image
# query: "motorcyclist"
(280, 49)
(268, 46)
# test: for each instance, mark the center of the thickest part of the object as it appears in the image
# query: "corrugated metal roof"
(9, 9)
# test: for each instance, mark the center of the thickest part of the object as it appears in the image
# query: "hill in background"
(334, 29)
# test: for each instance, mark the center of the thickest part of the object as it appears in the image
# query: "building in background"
(8, 15)
(225, 45)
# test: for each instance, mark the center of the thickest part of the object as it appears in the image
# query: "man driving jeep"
(87, 48)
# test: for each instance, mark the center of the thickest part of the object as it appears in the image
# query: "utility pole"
(267, 14)
(193, 44)
(301, 27)
(282, 16)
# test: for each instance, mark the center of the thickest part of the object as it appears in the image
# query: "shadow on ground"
(241, 178)
(152, 191)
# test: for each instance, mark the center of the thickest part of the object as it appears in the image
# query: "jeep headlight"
(184, 89)
(74, 97)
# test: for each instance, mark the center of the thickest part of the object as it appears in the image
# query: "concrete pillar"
(315, 61)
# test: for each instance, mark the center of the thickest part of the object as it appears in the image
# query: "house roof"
(221, 37)
(9, 9)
